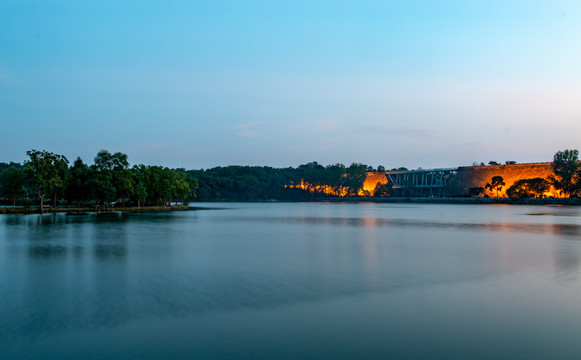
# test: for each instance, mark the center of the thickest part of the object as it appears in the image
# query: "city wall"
(478, 176)
(372, 179)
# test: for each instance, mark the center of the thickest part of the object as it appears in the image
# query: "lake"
(294, 281)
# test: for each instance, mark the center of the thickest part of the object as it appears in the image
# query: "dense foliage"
(567, 172)
(108, 182)
(307, 181)
(528, 188)
(111, 181)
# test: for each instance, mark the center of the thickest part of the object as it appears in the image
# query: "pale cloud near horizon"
(396, 131)
(248, 125)
(248, 130)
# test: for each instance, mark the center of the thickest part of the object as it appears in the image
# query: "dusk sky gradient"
(198, 84)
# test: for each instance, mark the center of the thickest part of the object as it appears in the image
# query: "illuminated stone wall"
(372, 179)
(478, 176)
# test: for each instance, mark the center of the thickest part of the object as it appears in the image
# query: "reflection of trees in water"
(46, 251)
(58, 235)
(110, 251)
(13, 219)
(568, 230)
(110, 241)
(76, 274)
(43, 239)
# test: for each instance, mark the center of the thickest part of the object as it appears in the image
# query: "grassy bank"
(36, 210)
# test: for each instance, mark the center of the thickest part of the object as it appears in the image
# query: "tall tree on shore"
(496, 184)
(140, 179)
(78, 189)
(566, 170)
(12, 183)
(63, 174)
(43, 172)
(355, 176)
(114, 179)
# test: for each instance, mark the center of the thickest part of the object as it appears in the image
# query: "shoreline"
(420, 200)
(459, 200)
(394, 200)
(88, 210)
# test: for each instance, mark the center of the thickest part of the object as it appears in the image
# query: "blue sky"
(198, 84)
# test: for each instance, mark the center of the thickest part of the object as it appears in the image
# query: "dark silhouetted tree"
(566, 171)
(382, 190)
(476, 191)
(12, 183)
(496, 184)
(528, 188)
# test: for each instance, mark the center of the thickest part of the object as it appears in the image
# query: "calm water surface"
(294, 281)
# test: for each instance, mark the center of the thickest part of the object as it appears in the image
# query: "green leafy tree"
(103, 191)
(78, 189)
(194, 184)
(140, 179)
(566, 168)
(314, 175)
(334, 177)
(63, 173)
(181, 186)
(115, 168)
(496, 184)
(354, 178)
(140, 193)
(44, 172)
(12, 183)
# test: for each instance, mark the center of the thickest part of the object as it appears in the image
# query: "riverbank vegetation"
(108, 183)
(48, 180)
(307, 181)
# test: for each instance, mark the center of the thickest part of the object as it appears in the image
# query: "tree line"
(47, 177)
(108, 181)
(256, 183)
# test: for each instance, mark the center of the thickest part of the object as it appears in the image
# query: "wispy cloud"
(248, 125)
(249, 129)
(397, 131)
(249, 134)
(326, 125)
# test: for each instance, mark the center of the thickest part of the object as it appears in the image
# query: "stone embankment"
(468, 177)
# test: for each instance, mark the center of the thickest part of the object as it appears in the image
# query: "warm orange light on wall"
(340, 191)
(510, 180)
